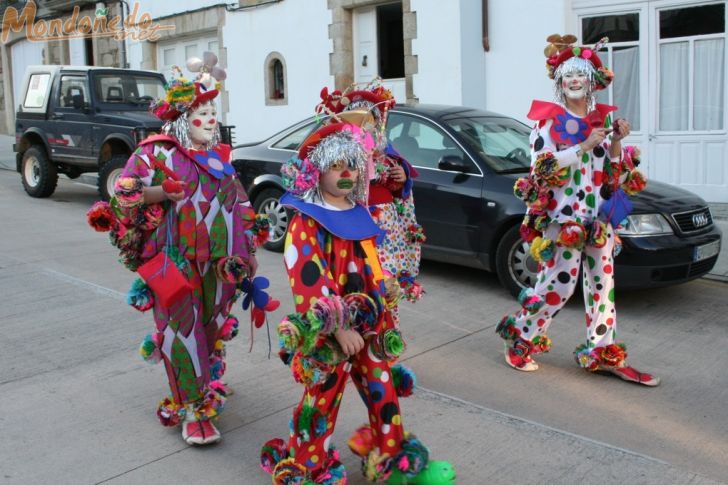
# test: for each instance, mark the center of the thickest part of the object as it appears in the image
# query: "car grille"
(692, 221)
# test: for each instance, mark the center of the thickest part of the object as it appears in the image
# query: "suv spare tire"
(39, 175)
(108, 173)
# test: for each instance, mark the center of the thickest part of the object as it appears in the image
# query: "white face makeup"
(203, 122)
(574, 84)
(339, 181)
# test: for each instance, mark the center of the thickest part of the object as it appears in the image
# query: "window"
(135, 91)
(622, 56)
(390, 41)
(294, 139)
(73, 92)
(420, 142)
(501, 142)
(275, 80)
(691, 68)
(37, 88)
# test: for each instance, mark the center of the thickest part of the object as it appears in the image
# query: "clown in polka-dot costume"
(342, 326)
(579, 174)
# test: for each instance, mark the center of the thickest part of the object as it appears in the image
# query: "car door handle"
(57, 116)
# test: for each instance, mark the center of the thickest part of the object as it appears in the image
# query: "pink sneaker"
(633, 375)
(200, 432)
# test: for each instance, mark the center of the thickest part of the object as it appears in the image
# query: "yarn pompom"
(100, 217)
(363, 311)
(388, 345)
(153, 215)
(229, 329)
(272, 453)
(635, 183)
(612, 355)
(150, 348)
(530, 301)
(528, 232)
(288, 471)
(507, 329)
(361, 441)
(170, 413)
(404, 380)
(231, 269)
(213, 402)
(548, 171)
(140, 295)
(261, 229)
(129, 191)
(299, 177)
(541, 343)
(572, 235)
(598, 234)
(416, 234)
(542, 249)
(413, 458)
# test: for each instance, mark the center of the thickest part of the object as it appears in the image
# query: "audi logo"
(700, 220)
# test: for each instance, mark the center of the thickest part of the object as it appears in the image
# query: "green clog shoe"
(435, 473)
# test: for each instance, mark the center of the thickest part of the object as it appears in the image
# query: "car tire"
(268, 203)
(514, 264)
(39, 175)
(109, 173)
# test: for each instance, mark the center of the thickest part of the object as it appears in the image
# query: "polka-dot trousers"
(557, 280)
(373, 379)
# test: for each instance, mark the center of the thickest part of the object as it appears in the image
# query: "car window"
(294, 139)
(501, 142)
(422, 143)
(73, 92)
(134, 90)
(37, 89)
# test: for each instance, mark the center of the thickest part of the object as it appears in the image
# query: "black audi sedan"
(468, 161)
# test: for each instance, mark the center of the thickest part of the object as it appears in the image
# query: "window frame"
(659, 42)
(269, 79)
(57, 98)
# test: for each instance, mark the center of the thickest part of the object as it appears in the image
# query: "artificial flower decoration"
(542, 249)
(634, 183)
(570, 129)
(213, 163)
(260, 301)
(572, 235)
(100, 217)
(210, 75)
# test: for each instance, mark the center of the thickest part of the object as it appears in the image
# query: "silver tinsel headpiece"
(343, 145)
(571, 66)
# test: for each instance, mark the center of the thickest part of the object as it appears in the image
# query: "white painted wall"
(299, 32)
(473, 55)
(515, 71)
(439, 77)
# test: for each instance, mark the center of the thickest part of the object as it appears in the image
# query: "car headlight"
(645, 225)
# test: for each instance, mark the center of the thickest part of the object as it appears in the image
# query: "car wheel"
(39, 175)
(268, 203)
(515, 266)
(109, 174)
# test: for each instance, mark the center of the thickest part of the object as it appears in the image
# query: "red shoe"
(518, 359)
(633, 375)
(200, 432)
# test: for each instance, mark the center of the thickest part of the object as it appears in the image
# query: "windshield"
(502, 143)
(131, 90)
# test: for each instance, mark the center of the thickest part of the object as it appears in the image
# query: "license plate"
(706, 251)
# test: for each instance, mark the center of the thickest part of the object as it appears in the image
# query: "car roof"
(445, 111)
(53, 68)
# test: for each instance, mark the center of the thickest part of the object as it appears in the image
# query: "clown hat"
(560, 49)
(373, 96)
(181, 94)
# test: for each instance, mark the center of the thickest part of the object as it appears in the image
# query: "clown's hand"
(595, 138)
(349, 340)
(622, 129)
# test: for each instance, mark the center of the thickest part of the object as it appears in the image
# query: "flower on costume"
(231, 269)
(548, 171)
(100, 217)
(150, 348)
(542, 249)
(299, 177)
(530, 300)
(635, 183)
(572, 235)
(541, 343)
(571, 128)
(527, 232)
(261, 301)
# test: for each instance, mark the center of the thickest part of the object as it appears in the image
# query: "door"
(69, 133)
(448, 204)
(688, 137)
(378, 30)
(669, 62)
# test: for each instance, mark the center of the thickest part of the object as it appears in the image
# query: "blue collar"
(353, 224)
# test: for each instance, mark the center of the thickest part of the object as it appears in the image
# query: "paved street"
(78, 403)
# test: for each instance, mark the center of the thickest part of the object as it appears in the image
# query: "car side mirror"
(453, 163)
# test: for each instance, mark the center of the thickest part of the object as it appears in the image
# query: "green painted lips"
(345, 184)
